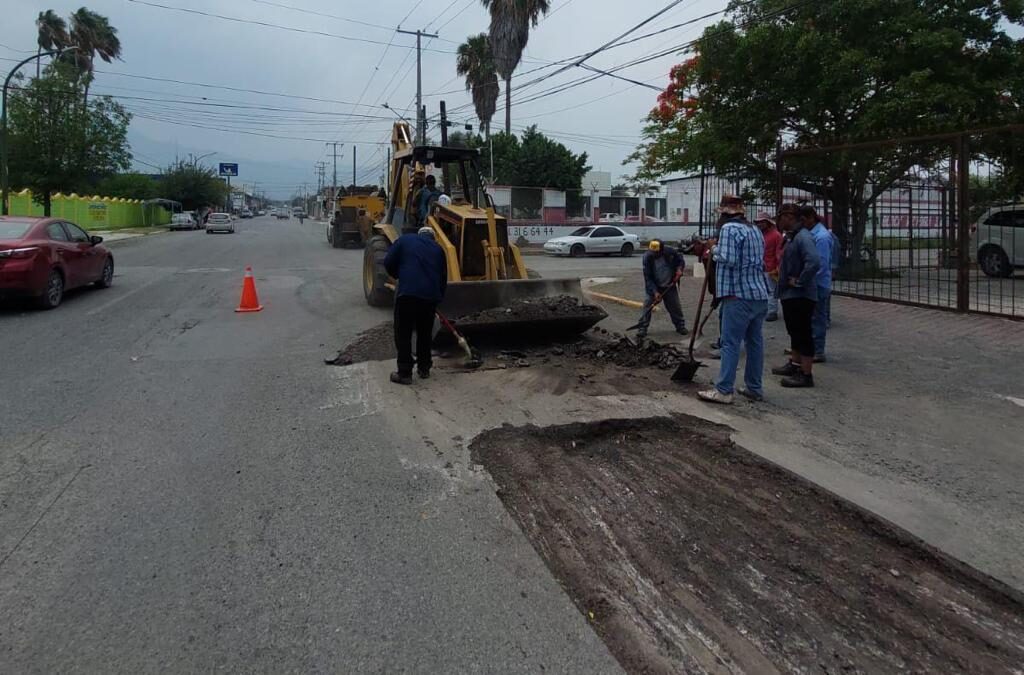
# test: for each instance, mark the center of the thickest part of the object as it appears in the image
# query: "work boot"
(400, 378)
(752, 395)
(715, 396)
(789, 369)
(799, 380)
(772, 317)
(424, 374)
(682, 330)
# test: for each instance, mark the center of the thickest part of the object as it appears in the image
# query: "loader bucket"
(520, 310)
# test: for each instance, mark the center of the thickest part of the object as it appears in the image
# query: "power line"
(207, 85)
(266, 24)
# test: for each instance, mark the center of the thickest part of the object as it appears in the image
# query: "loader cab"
(457, 176)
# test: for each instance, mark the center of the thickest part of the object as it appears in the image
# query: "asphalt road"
(183, 488)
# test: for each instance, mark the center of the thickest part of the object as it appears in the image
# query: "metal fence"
(934, 220)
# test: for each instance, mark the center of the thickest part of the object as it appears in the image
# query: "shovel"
(473, 358)
(688, 368)
(657, 301)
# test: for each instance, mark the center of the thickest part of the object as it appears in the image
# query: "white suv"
(999, 240)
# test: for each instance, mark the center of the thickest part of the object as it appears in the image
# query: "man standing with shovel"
(663, 267)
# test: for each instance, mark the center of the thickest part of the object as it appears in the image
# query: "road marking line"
(121, 297)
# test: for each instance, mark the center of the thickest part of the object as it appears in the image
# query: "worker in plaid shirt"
(740, 283)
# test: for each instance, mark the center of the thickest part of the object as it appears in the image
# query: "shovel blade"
(686, 370)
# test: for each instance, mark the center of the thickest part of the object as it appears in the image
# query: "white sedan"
(593, 239)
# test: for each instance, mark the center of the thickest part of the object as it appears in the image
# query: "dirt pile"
(534, 309)
(375, 344)
(689, 554)
(624, 352)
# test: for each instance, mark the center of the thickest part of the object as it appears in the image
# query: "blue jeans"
(819, 322)
(773, 295)
(742, 321)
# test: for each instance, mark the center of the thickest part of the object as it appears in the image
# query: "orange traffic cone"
(249, 301)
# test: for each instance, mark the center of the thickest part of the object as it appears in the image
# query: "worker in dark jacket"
(419, 264)
(663, 266)
(798, 291)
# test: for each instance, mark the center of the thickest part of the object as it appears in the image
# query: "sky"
(327, 79)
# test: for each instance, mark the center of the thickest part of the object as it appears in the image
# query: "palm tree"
(52, 33)
(475, 63)
(509, 33)
(94, 36)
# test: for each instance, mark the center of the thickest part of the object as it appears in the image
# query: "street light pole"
(4, 177)
(195, 162)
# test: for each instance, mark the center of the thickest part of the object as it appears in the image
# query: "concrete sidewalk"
(916, 416)
(125, 234)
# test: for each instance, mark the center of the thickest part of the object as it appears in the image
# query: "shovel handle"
(696, 321)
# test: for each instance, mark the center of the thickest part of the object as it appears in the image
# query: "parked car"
(261, 212)
(594, 239)
(182, 221)
(41, 258)
(999, 240)
(220, 222)
(246, 213)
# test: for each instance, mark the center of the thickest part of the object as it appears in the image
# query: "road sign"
(230, 170)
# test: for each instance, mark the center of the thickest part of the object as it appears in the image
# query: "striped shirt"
(740, 262)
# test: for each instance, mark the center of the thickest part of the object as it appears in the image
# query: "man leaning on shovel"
(663, 267)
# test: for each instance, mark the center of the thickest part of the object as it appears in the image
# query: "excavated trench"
(690, 554)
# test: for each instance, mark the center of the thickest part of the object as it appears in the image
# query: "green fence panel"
(92, 211)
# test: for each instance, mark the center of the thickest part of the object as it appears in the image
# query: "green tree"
(59, 145)
(195, 186)
(51, 33)
(475, 63)
(543, 162)
(810, 74)
(509, 33)
(129, 186)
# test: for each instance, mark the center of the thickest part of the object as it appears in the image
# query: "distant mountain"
(280, 179)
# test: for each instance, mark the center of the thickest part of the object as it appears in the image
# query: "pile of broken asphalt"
(599, 346)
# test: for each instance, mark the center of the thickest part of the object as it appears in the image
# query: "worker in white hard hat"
(419, 264)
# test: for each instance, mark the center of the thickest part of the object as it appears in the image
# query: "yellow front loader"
(485, 269)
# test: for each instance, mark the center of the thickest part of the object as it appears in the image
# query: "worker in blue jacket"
(663, 267)
(419, 265)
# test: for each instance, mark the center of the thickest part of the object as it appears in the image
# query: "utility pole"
(420, 120)
(444, 142)
(444, 124)
(353, 164)
(320, 168)
(334, 180)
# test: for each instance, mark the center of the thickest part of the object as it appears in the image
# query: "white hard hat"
(444, 200)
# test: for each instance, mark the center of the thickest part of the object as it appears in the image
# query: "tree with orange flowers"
(821, 73)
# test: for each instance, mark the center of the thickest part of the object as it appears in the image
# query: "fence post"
(778, 174)
(963, 272)
(700, 217)
(910, 222)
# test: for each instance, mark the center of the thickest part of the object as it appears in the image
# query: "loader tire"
(375, 277)
(336, 238)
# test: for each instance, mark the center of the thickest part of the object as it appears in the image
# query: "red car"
(44, 257)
